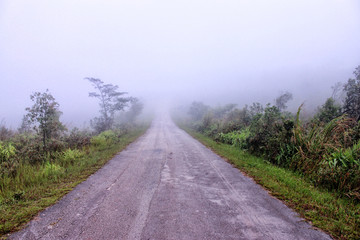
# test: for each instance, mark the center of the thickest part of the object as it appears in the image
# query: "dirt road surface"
(166, 185)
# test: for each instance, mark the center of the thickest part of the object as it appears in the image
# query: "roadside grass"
(326, 210)
(37, 187)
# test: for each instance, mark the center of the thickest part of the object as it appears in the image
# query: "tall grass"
(33, 187)
(323, 155)
(327, 210)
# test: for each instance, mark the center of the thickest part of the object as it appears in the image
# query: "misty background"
(173, 52)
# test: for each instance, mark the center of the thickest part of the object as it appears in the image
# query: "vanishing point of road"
(166, 185)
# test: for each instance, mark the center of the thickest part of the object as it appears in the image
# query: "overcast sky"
(215, 51)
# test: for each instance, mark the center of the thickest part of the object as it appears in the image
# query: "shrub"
(341, 170)
(54, 145)
(236, 138)
(325, 150)
(7, 151)
(317, 143)
(77, 139)
(104, 139)
(69, 156)
(270, 133)
(5, 133)
(8, 163)
(29, 149)
(51, 171)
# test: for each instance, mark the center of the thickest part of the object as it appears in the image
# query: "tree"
(44, 116)
(338, 93)
(328, 111)
(282, 100)
(256, 108)
(221, 111)
(110, 101)
(237, 119)
(25, 126)
(198, 110)
(134, 110)
(352, 99)
(5, 133)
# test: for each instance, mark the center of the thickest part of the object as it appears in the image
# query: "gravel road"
(166, 185)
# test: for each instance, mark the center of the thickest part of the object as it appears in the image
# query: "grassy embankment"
(326, 210)
(36, 187)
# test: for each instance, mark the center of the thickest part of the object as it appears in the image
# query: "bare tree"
(282, 100)
(338, 94)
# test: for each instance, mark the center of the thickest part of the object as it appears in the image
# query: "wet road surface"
(166, 185)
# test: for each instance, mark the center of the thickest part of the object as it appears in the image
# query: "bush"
(69, 156)
(77, 139)
(8, 163)
(54, 145)
(317, 143)
(51, 171)
(325, 150)
(105, 139)
(5, 133)
(7, 151)
(236, 138)
(341, 171)
(29, 149)
(270, 133)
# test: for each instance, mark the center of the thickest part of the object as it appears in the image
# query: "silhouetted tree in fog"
(256, 108)
(134, 110)
(352, 100)
(197, 110)
(223, 110)
(282, 100)
(338, 93)
(110, 101)
(25, 126)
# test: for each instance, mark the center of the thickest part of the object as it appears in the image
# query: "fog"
(174, 52)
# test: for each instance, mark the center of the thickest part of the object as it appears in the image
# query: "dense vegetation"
(42, 159)
(312, 163)
(324, 148)
(326, 210)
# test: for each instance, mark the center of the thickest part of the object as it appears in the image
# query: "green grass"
(37, 187)
(326, 210)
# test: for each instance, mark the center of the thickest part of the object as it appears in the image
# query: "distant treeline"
(325, 148)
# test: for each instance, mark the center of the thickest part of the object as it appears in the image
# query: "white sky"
(215, 51)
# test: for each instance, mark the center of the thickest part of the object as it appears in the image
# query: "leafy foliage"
(270, 132)
(70, 156)
(236, 138)
(5, 133)
(41, 156)
(8, 163)
(77, 138)
(328, 111)
(104, 139)
(44, 116)
(326, 148)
